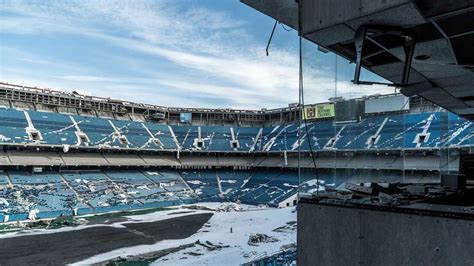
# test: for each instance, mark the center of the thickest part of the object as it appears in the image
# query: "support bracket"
(369, 31)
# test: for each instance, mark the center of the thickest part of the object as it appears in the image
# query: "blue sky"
(188, 53)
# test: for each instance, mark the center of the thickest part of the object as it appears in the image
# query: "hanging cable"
(285, 28)
(271, 36)
(305, 123)
(302, 106)
(273, 31)
(300, 114)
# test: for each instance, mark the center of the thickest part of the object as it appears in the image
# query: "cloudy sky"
(187, 53)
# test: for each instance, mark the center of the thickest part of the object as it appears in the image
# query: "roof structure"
(440, 67)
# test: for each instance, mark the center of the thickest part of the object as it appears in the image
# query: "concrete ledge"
(338, 235)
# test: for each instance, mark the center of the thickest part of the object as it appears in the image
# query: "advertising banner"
(318, 111)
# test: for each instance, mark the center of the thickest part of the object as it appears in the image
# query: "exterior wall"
(335, 235)
(289, 202)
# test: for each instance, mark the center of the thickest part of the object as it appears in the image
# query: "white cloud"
(212, 53)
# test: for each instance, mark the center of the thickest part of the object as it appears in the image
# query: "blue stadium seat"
(460, 132)
(139, 186)
(44, 192)
(13, 126)
(246, 137)
(232, 181)
(400, 131)
(136, 134)
(56, 129)
(98, 191)
(185, 136)
(355, 136)
(216, 138)
(266, 187)
(204, 183)
(163, 133)
(99, 131)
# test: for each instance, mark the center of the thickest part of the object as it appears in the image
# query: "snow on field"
(151, 217)
(244, 222)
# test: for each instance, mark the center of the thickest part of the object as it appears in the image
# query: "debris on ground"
(288, 247)
(210, 246)
(289, 227)
(194, 253)
(403, 195)
(386, 199)
(229, 207)
(179, 212)
(255, 239)
(146, 258)
(249, 254)
(197, 207)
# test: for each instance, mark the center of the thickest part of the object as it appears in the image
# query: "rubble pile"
(211, 246)
(229, 207)
(385, 194)
(288, 227)
(198, 207)
(288, 247)
(256, 239)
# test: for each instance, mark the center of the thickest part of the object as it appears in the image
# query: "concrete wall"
(331, 235)
(289, 202)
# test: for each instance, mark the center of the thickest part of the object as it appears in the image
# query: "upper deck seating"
(56, 129)
(3, 179)
(100, 131)
(217, 138)
(246, 137)
(320, 132)
(273, 138)
(13, 126)
(414, 124)
(424, 130)
(434, 130)
(185, 136)
(136, 135)
(163, 134)
(355, 136)
(460, 131)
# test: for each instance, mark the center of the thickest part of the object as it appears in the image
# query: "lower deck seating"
(139, 187)
(95, 189)
(204, 183)
(51, 194)
(232, 181)
(42, 194)
(268, 187)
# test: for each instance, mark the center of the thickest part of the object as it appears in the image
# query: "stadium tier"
(381, 132)
(25, 195)
(124, 160)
